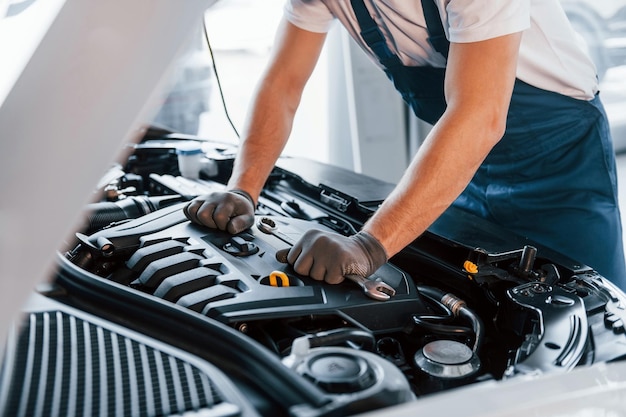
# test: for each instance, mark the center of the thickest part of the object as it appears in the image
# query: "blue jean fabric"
(552, 178)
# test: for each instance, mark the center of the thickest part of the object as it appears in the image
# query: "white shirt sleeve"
(472, 21)
(311, 15)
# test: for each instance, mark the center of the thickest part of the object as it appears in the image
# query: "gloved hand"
(331, 256)
(231, 211)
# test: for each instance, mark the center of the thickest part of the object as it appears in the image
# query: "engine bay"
(470, 301)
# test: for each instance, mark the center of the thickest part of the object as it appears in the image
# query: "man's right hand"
(231, 211)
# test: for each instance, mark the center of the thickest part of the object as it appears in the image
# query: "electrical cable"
(217, 78)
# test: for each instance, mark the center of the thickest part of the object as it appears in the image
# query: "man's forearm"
(293, 59)
(264, 139)
(440, 171)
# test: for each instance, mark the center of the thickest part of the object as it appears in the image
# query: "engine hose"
(439, 328)
(458, 309)
(477, 325)
(435, 295)
(100, 215)
(364, 340)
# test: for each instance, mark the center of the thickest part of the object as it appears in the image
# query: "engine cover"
(235, 278)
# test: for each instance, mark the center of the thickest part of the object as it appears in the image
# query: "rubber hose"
(364, 339)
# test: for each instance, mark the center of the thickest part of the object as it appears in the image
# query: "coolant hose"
(458, 309)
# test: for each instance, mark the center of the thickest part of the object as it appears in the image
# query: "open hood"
(78, 80)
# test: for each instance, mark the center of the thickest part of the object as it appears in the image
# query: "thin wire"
(217, 78)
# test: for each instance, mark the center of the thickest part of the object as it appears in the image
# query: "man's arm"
(267, 129)
(478, 87)
(479, 82)
(272, 111)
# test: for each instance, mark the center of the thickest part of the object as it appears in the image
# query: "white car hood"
(79, 78)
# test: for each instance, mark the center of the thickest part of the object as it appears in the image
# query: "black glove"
(231, 211)
(331, 256)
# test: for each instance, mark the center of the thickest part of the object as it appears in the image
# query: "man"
(519, 137)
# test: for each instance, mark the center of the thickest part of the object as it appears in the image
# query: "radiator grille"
(65, 366)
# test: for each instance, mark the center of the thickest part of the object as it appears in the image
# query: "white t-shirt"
(552, 56)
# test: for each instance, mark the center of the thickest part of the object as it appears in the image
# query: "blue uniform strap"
(373, 37)
(436, 34)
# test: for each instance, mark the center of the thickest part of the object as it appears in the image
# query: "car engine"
(464, 303)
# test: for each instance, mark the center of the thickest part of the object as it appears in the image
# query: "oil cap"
(338, 372)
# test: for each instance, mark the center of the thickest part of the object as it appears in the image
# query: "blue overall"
(551, 178)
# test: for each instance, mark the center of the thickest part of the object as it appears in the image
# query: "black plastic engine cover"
(235, 278)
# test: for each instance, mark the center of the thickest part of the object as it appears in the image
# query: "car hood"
(79, 85)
